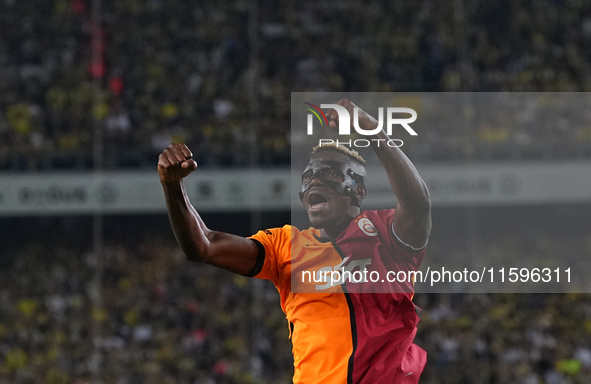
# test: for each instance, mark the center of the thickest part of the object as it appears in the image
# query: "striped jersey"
(354, 327)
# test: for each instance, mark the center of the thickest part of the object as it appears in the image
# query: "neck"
(333, 230)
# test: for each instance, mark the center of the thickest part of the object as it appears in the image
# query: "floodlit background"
(93, 287)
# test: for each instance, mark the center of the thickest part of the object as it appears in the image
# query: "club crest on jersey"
(367, 227)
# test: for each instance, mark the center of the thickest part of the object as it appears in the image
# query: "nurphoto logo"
(393, 118)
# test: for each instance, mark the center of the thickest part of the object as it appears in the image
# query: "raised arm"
(412, 221)
(199, 243)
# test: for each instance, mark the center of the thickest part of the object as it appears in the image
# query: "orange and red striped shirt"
(356, 330)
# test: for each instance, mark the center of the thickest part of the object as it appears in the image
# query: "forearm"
(188, 227)
(407, 184)
(234, 253)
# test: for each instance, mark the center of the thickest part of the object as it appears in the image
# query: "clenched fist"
(175, 163)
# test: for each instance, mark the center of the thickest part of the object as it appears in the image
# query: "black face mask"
(334, 175)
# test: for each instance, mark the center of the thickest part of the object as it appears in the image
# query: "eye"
(307, 177)
(332, 175)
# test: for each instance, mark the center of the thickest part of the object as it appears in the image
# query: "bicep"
(233, 253)
(412, 229)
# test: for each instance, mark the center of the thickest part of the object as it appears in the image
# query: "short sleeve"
(388, 216)
(277, 252)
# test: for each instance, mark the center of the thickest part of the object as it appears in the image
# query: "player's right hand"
(175, 163)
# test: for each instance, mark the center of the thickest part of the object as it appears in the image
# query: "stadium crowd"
(218, 75)
(163, 320)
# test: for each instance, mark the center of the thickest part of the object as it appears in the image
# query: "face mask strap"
(344, 188)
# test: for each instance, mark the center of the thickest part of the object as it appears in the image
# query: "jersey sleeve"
(389, 217)
(276, 245)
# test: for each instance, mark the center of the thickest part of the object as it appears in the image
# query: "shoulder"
(383, 220)
(378, 217)
(380, 213)
(279, 231)
(274, 238)
(274, 252)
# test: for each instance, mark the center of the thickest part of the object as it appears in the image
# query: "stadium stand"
(181, 71)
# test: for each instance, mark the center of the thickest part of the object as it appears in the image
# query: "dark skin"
(336, 211)
(412, 221)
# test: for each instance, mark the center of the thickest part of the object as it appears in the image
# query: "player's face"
(326, 207)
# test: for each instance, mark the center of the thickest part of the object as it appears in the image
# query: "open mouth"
(317, 200)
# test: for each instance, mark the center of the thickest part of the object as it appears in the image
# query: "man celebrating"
(342, 331)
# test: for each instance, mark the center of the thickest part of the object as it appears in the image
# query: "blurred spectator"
(162, 319)
(186, 66)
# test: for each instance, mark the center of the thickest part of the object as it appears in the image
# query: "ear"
(360, 191)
